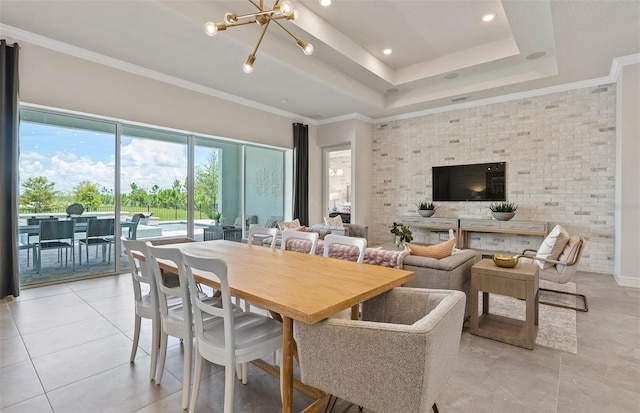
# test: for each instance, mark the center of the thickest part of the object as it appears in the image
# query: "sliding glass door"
(133, 181)
(67, 173)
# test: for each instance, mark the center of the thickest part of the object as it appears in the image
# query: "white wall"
(627, 205)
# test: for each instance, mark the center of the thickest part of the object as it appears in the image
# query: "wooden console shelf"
(431, 223)
(529, 228)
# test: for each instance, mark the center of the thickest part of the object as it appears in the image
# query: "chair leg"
(229, 384)
(155, 343)
(584, 298)
(136, 338)
(186, 372)
(163, 356)
(197, 378)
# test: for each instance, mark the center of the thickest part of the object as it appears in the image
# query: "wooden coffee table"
(519, 282)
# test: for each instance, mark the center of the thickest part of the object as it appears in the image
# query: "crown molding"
(619, 62)
(349, 116)
(104, 60)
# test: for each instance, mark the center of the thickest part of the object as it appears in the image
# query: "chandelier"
(263, 17)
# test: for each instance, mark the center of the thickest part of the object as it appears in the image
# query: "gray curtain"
(9, 118)
(301, 173)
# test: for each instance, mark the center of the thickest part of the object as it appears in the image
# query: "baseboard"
(627, 281)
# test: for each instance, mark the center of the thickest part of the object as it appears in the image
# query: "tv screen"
(477, 182)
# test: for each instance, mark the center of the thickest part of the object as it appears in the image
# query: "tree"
(206, 186)
(38, 194)
(106, 196)
(138, 196)
(87, 194)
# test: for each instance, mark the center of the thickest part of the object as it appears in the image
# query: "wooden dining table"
(295, 286)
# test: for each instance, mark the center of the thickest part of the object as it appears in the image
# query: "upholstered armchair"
(559, 271)
(397, 359)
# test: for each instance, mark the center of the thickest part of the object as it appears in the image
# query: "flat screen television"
(477, 182)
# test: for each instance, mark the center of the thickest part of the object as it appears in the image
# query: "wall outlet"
(444, 236)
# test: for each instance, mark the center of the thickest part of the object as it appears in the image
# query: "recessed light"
(488, 17)
(325, 3)
(387, 51)
(451, 75)
(285, 101)
(535, 55)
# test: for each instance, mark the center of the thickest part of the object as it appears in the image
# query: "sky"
(67, 156)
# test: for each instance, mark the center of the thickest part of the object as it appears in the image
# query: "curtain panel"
(9, 123)
(301, 173)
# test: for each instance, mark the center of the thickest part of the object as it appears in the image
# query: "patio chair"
(56, 235)
(99, 232)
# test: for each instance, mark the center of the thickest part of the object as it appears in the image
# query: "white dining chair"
(258, 233)
(176, 320)
(293, 235)
(233, 338)
(146, 303)
(349, 242)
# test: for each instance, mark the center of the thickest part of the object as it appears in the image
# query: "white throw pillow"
(335, 222)
(285, 225)
(552, 246)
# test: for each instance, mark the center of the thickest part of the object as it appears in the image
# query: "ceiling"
(443, 53)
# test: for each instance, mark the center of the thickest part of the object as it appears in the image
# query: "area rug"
(556, 326)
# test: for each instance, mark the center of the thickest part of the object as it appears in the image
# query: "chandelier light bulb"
(210, 28)
(293, 15)
(308, 49)
(247, 67)
(286, 8)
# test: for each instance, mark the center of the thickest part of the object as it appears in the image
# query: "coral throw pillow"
(437, 251)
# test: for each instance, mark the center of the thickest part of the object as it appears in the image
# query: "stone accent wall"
(560, 155)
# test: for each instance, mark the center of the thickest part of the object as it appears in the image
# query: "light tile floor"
(65, 348)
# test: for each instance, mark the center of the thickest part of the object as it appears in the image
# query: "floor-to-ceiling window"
(67, 159)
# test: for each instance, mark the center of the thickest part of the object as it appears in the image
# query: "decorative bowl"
(506, 261)
(503, 216)
(426, 212)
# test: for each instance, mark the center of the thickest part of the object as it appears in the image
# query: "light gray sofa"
(452, 273)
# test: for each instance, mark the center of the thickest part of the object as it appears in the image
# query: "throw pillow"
(552, 246)
(437, 251)
(271, 223)
(335, 222)
(300, 229)
(284, 225)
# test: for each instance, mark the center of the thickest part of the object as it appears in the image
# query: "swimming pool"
(178, 226)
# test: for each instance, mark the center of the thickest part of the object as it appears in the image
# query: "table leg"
(485, 303)
(286, 365)
(530, 317)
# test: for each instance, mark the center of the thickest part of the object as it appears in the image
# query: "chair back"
(203, 310)
(257, 233)
(139, 269)
(569, 259)
(166, 292)
(100, 228)
(56, 230)
(312, 237)
(339, 246)
(406, 346)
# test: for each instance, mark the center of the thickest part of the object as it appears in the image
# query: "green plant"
(402, 231)
(216, 215)
(503, 207)
(424, 205)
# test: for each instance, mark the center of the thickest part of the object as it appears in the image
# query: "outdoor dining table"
(295, 286)
(34, 229)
